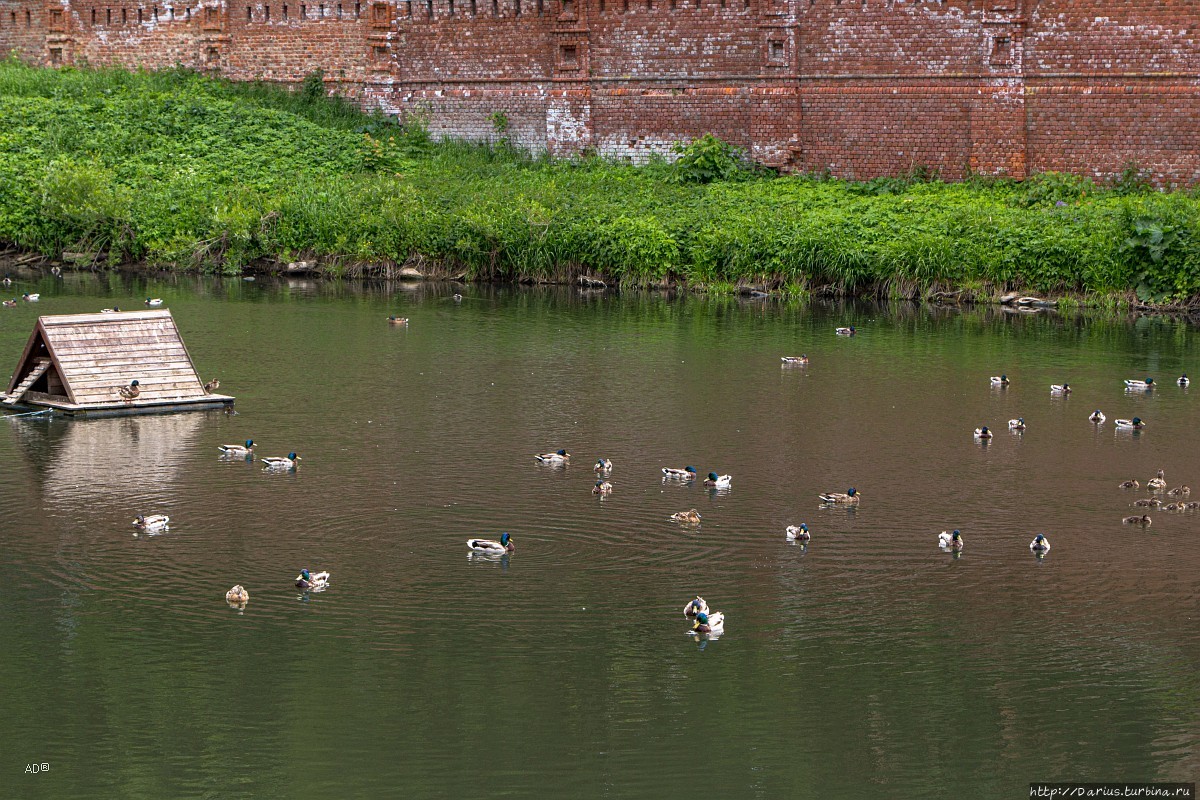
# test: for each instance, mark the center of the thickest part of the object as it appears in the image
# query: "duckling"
(505, 545)
(560, 457)
(1180, 491)
(1017, 424)
(237, 596)
(154, 301)
(212, 386)
(129, 393)
(280, 463)
(718, 481)
(1040, 544)
(602, 488)
(798, 533)
(1183, 380)
(112, 310)
(800, 360)
(1000, 380)
(1129, 484)
(152, 522)
(237, 450)
(690, 517)
(1158, 483)
(1140, 386)
(316, 580)
(1097, 416)
(1143, 520)
(603, 466)
(1060, 389)
(1148, 502)
(1135, 424)
(31, 298)
(694, 607)
(1192, 506)
(685, 474)
(1175, 507)
(950, 541)
(983, 433)
(10, 303)
(845, 331)
(709, 623)
(398, 320)
(849, 498)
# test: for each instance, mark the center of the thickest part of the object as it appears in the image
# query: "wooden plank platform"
(34, 401)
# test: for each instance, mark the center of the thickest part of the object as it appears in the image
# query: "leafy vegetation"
(178, 169)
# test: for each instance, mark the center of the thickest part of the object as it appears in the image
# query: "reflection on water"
(566, 664)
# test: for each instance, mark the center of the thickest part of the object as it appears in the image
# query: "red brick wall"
(857, 87)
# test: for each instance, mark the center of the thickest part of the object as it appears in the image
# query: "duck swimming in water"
(154, 301)
(1143, 520)
(602, 488)
(1097, 416)
(1060, 389)
(1183, 380)
(505, 545)
(1135, 424)
(694, 607)
(1158, 482)
(713, 622)
(559, 457)
(237, 450)
(398, 320)
(1017, 424)
(1129, 484)
(1000, 380)
(983, 433)
(845, 331)
(797, 533)
(691, 517)
(685, 474)
(280, 463)
(794, 360)
(1140, 386)
(315, 580)
(237, 596)
(718, 481)
(950, 541)
(151, 522)
(849, 498)
(1040, 544)
(603, 466)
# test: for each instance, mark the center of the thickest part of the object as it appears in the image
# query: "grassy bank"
(175, 169)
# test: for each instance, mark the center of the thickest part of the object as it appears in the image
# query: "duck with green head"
(849, 498)
(280, 463)
(505, 545)
(237, 450)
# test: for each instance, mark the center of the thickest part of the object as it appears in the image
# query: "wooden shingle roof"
(94, 354)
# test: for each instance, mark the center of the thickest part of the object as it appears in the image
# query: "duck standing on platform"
(212, 386)
(129, 393)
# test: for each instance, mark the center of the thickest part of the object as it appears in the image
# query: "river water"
(866, 664)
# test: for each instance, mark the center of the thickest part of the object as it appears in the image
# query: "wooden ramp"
(76, 363)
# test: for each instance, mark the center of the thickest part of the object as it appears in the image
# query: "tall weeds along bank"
(177, 169)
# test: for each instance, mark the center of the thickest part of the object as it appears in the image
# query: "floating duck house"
(76, 364)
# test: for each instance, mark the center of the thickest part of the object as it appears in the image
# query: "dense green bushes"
(174, 168)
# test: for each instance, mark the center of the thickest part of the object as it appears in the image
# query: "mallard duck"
(850, 498)
(1140, 385)
(315, 580)
(685, 474)
(1183, 380)
(602, 488)
(1180, 491)
(1129, 484)
(31, 298)
(694, 607)
(237, 596)
(1158, 482)
(1143, 520)
(603, 465)
(950, 541)
(1017, 424)
(112, 310)
(7, 281)
(238, 450)
(1056, 388)
(1040, 544)
(10, 303)
(212, 386)
(1097, 416)
(801, 360)
(713, 622)
(129, 393)
(398, 320)
(458, 298)
(561, 457)
(1148, 502)
(983, 433)
(280, 463)
(151, 522)
(797, 533)
(718, 481)
(154, 301)
(56, 272)
(845, 331)
(1130, 424)
(1000, 380)
(505, 545)
(690, 517)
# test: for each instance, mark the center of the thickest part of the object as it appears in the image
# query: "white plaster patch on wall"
(565, 128)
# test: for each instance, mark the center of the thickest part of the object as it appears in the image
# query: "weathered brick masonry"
(858, 87)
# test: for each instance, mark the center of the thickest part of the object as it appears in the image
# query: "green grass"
(177, 169)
